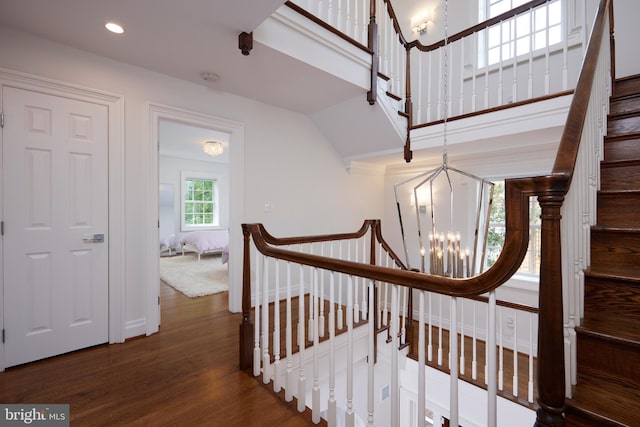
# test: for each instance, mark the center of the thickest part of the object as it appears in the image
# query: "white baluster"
(500, 352)
(514, 87)
(315, 390)
(430, 345)
(486, 69)
(321, 331)
(288, 396)
(420, 93)
(301, 344)
(403, 310)
(340, 22)
(462, 357)
(356, 305)
(340, 278)
(312, 313)
(474, 362)
(515, 353)
(461, 105)
(356, 24)
(531, 342)
(547, 73)
(453, 360)
(266, 358)
(349, 412)
(439, 330)
(531, 49)
(371, 361)
(473, 74)
(257, 353)
(429, 73)
(363, 304)
(492, 392)
(276, 330)
(500, 66)
(332, 403)
(421, 362)
(395, 414)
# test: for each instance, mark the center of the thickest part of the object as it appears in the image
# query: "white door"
(55, 208)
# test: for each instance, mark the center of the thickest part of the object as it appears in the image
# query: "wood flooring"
(185, 375)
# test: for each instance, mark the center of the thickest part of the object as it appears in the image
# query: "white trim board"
(155, 112)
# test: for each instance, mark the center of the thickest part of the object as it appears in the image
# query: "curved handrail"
(515, 247)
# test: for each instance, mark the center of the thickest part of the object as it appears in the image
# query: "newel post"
(246, 327)
(551, 376)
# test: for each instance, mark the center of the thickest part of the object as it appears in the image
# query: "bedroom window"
(495, 239)
(200, 209)
(528, 32)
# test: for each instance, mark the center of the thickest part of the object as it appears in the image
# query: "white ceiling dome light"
(213, 148)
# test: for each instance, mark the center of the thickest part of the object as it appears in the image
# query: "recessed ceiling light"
(114, 28)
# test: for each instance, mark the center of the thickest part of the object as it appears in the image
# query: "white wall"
(287, 161)
(626, 13)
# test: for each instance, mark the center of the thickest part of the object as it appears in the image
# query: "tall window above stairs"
(527, 33)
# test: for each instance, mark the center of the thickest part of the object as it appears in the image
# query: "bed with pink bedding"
(204, 242)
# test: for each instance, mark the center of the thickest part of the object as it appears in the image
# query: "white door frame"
(154, 113)
(115, 106)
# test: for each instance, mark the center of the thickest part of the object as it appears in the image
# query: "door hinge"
(1, 120)
(3, 336)
(1, 228)
(158, 299)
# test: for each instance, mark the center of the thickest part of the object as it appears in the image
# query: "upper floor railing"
(517, 57)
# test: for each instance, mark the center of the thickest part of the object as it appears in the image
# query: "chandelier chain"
(445, 88)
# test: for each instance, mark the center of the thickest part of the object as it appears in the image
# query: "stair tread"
(627, 273)
(613, 229)
(629, 135)
(618, 330)
(621, 162)
(609, 400)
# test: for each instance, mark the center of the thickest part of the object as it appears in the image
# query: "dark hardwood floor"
(185, 375)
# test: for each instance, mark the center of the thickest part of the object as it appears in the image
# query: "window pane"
(494, 55)
(523, 45)
(523, 25)
(540, 40)
(207, 196)
(555, 35)
(540, 21)
(494, 36)
(555, 13)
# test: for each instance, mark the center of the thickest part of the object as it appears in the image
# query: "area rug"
(195, 278)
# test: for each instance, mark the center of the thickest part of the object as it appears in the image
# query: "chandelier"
(444, 212)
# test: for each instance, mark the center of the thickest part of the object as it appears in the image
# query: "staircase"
(608, 350)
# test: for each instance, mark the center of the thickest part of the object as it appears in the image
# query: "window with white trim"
(496, 234)
(525, 33)
(200, 207)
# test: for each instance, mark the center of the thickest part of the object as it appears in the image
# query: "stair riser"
(621, 177)
(623, 125)
(614, 249)
(622, 149)
(619, 210)
(625, 105)
(611, 298)
(577, 418)
(628, 86)
(608, 359)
